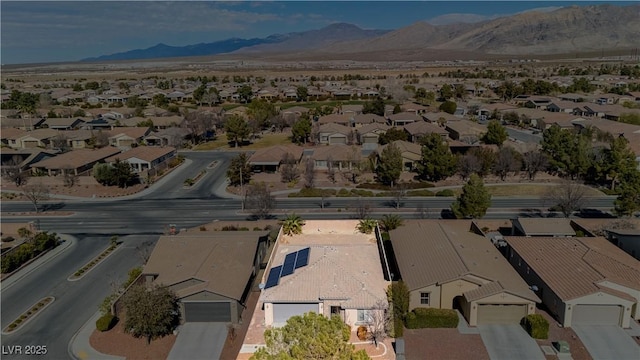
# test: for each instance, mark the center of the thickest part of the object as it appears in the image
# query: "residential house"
(446, 266)
(556, 227)
(335, 134)
(99, 123)
(24, 158)
(563, 106)
(9, 136)
(36, 138)
(351, 110)
(144, 158)
(211, 273)
(269, 159)
(581, 280)
(411, 153)
(338, 156)
(365, 119)
(403, 118)
(173, 136)
(331, 269)
(127, 137)
(80, 161)
(78, 139)
(535, 102)
(626, 239)
(23, 123)
(465, 130)
(64, 123)
(439, 117)
(409, 106)
(340, 119)
(419, 129)
(368, 135)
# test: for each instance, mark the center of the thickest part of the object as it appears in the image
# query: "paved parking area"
(508, 342)
(199, 341)
(608, 342)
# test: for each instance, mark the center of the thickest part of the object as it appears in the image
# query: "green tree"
(239, 171)
(310, 336)
(301, 131)
(392, 135)
(261, 111)
(448, 107)
(302, 93)
(391, 222)
(292, 224)
(390, 165)
(446, 92)
(246, 93)
(474, 200)
(122, 174)
(92, 85)
(496, 133)
(374, 107)
(628, 201)
(619, 160)
(397, 109)
(160, 100)
(199, 92)
(398, 297)
(237, 129)
(437, 161)
(150, 313)
(630, 118)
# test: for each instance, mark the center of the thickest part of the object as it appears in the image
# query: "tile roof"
(338, 152)
(223, 261)
(405, 115)
(545, 226)
(11, 133)
(408, 149)
(134, 132)
(373, 127)
(423, 127)
(344, 265)
(334, 119)
(574, 267)
(145, 153)
(369, 119)
(274, 154)
(433, 252)
(333, 128)
(76, 158)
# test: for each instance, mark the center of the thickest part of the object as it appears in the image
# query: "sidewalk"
(79, 347)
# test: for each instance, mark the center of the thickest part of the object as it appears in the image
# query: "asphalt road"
(75, 302)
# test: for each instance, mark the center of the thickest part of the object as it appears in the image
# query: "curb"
(80, 349)
(39, 261)
(53, 299)
(72, 277)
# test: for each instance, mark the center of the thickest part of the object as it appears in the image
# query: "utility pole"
(241, 188)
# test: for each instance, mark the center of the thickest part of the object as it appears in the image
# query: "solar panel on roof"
(303, 258)
(274, 277)
(289, 263)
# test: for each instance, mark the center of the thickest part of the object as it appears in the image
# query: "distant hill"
(274, 43)
(566, 30)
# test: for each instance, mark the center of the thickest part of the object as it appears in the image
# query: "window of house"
(362, 315)
(425, 298)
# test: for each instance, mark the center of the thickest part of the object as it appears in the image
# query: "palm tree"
(292, 225)
(390, 222)
(366, 226)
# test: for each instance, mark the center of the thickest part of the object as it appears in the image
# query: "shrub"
(579, 233)
(314, 192)
(257, 228)
(203, 228)
(536, 325)
(229, 228)
(419, 193)
(189, 182)
(445, 192)
(12, 326)
(362, 332)
(106, 322)
(8, 239)
(244, 228)
(344, 193)
(421, 318)
(408, 186)
(363, 193)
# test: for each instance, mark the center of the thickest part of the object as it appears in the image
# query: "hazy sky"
(51, 31)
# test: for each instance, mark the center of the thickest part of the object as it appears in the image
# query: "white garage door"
(282, 312)
(596, 315)
(501, 314)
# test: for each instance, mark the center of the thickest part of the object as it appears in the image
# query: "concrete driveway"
(508, 342)
(607, 342)
(199, 341)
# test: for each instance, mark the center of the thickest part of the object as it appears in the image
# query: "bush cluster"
(445, 192)
(536, 326)
(27, 251)
(106, 322)
(420, 318)
(421, 192)
(314, 192)
(407, 186)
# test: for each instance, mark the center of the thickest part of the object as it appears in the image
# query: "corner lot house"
(330, 269)
(80, 161)
(447, 267)
(582, 281)
(211, 273)
(143, 158)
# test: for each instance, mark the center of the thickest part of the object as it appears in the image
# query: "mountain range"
(563, 31)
